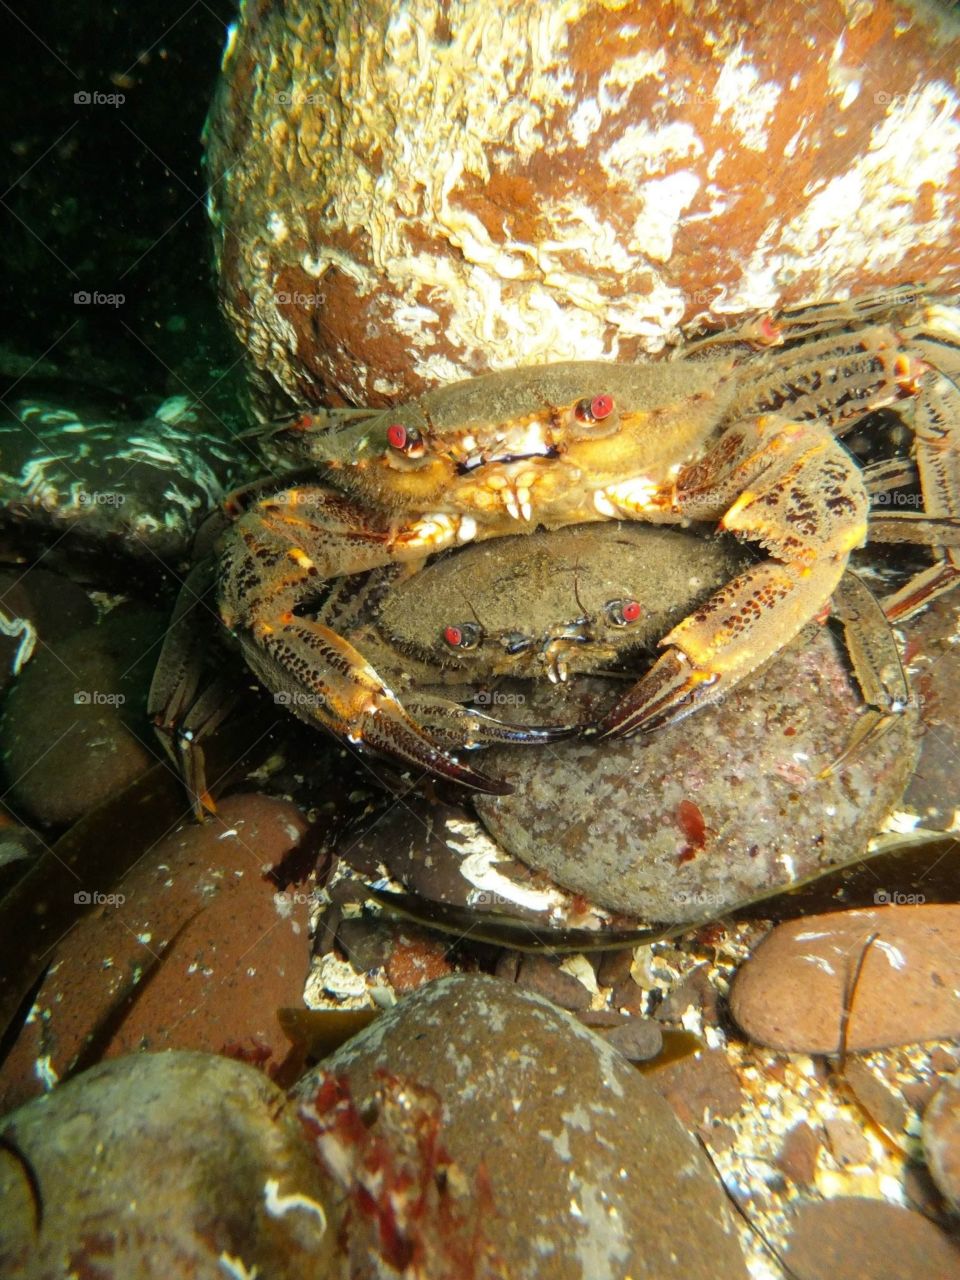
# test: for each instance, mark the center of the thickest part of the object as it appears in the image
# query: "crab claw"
(344, 694)
(670, 690)
(454, 726)
(391, 732)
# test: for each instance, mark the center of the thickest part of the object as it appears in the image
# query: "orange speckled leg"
(802, 498)
(276, 562)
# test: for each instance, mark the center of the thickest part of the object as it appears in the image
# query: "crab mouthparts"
(484, 459)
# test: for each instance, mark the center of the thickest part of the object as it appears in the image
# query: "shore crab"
(745, 438)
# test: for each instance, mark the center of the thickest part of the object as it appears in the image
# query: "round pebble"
(163, 1165)
(694, 819)
(790, 994)
(567, 1130)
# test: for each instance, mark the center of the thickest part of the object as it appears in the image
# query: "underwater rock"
(163, 1165)
(790, 993)
(74, 729)
(36, 605)
(932, 657)
(941, 1139)
(19, 849)
(193, 949)
(567, 1130)
(137, 488)
(404, 196)
(851, 1238)
(700, 1088)
(696, 818)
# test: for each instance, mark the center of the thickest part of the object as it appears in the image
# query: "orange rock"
(790, 994)
(407, 195)
(193, 950)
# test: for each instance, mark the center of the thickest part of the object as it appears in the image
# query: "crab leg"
(936, 425)
(801, 496)
(875, 658)
(281, 554)
(455, 727)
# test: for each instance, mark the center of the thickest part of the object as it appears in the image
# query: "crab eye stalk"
(622, 613)
(405, 440)
(594, 410)
(462, 635)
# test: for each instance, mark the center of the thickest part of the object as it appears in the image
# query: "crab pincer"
(802, 498)
(344, 694)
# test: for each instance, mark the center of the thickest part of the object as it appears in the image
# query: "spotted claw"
(672, 688)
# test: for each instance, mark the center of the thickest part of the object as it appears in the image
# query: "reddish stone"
(790, 994)
(199, 954)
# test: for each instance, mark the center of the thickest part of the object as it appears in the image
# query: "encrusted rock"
(568, 1132)
(405, 195)
(163, 1165)
(193, 949)
(941, 1139)
(693, 819)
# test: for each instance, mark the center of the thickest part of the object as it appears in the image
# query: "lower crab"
(745, 437)
(446, 638)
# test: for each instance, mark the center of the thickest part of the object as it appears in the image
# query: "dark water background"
(109, 199)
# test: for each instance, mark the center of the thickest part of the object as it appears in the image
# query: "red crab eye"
(406, 440)
(462, 635)
(621, 613)
(594, 410)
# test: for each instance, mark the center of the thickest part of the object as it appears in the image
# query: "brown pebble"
(852, 1238)
(798, 1155)
(941, 1139)
(544, 976)
(695, 992)
(614, 967)
(847, 1144)
(637, 1039)
(701, 1086)
(880, 1103)
(194, 949)
(790, 993)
